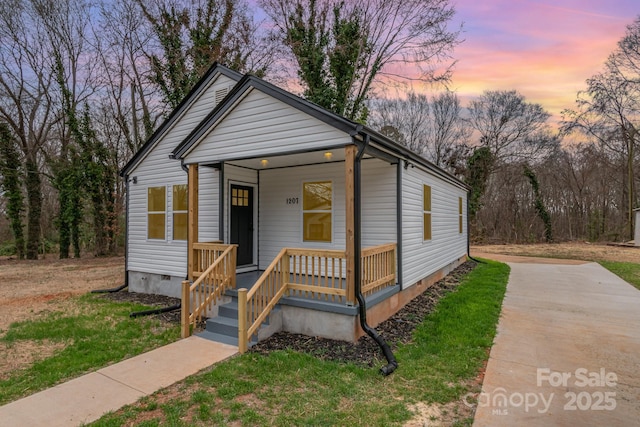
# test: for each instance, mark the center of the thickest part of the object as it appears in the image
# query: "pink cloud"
(546, 51)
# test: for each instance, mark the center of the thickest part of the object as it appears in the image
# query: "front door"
(242, 222)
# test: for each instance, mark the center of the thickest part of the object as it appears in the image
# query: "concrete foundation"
(346, 326)
(148, 283)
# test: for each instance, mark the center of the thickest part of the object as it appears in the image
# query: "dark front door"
(242, 222)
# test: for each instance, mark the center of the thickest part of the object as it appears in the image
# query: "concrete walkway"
(567, 351)
(87, 398)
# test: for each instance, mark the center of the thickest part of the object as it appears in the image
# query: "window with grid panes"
(180, 209)
(156, 212)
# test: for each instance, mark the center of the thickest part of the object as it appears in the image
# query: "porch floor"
(248, 279)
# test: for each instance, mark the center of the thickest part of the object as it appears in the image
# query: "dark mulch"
(151, 300)
(395, 330)
(398, 329)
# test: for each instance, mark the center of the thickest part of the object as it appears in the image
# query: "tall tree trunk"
(10, 180)
(34, 201)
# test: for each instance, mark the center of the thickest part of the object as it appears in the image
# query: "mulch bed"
(395, 330)
(398, 329)
(151, 300)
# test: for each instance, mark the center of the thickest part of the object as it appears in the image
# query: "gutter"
(392, 364)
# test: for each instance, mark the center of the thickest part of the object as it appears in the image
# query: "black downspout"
(399, 221)
(357, 237)
(221, 188)
(155, 311)
(126, 230)
(469, 234)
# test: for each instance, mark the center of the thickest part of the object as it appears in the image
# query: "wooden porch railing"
(309, 273)
(378, 268)
(204, 254)
(208, 288)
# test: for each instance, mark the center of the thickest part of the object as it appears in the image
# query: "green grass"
(288, 388)
(628, 271)
(100, 333)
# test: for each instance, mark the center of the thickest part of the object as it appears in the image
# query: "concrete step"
(223, 325)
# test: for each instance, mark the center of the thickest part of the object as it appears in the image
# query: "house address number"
(292, 200)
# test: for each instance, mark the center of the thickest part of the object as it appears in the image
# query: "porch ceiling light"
(264, 163)
(328, 155)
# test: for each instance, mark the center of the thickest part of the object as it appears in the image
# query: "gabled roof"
(350, 127)
(248, 82)
(215, 70)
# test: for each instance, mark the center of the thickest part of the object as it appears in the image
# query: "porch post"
(350, 156)
(192, 236)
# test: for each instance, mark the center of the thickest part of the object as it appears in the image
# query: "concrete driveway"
(567, 351)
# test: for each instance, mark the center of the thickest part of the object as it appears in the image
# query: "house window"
(426, 208)
(180, 217)
(156, 212)
(317, 211)
(460, 215)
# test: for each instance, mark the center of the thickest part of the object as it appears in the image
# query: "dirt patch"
(572, 251)
(438, 415)
(22, 354)
(30, 287)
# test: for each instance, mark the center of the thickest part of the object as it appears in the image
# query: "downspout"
(126, 231)
(221, 189)
(357, 234)
(469, 234)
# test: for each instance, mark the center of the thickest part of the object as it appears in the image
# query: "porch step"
(224, 327)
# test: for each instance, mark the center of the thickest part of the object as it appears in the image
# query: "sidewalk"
(87, 398)
(567, 351)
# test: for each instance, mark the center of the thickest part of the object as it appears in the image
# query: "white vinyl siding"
(208, 207)
(156, 169)
(422, 258)
(281, 223)
(379, 198)
(260, 125)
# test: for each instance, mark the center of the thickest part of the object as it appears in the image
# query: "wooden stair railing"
(310, 273)
(207, 289)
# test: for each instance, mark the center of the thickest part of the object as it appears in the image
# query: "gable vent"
(220, 94)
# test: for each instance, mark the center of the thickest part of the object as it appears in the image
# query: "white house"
(246, 171)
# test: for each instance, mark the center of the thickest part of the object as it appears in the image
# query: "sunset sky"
(544, 49)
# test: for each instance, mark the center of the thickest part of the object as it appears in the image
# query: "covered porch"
(301, 249)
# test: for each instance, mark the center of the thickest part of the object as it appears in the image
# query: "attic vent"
(220, 94)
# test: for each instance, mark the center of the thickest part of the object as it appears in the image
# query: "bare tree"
(512, 128)
(609, 110)
(406, 120)
(391, 34)
(449, 133)
(132, 101)
(433, 128)
(25, 99)
(192, 34)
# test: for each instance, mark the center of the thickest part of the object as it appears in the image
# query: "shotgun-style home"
(265, 212)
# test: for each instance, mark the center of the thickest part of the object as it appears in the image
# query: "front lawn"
(90, 333)
(285, 388)
(628, 271)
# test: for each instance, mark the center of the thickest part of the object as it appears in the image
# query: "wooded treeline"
(84, 83)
